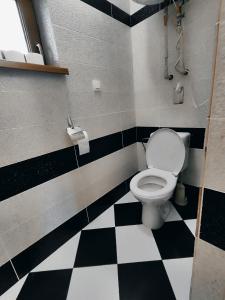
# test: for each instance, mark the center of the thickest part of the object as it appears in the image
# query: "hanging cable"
(166, 69)
(180, 65)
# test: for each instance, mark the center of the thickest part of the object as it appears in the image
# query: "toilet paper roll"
(83, 144)
(12, 55)
(79, 137)
(34, 58)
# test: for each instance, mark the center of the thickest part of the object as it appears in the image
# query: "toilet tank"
(186, 137)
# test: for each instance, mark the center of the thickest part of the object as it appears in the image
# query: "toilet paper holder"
(74, 132)
(78, 136)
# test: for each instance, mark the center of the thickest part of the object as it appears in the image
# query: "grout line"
(122, 139)
(14, 270)
(76, 157)
(87, 215)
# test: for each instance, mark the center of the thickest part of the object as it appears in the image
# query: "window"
(18, 26)
(22, 25)
(11, 30)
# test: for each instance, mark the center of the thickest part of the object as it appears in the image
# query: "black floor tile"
(7, 277)
(213, 218)
(144, 281)
(46, 285)
(27, 260)
(191, 209)
(174, 240)
(96, 247)
(107, 200)
(128, 214)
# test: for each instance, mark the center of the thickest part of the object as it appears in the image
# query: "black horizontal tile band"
(21, 176)
(101, 147)
(213, 218)
(129, 136)
(120, 15)
(103, 203)
(101, 5)
(110, 10)
(7, 277)
(144, 132)
(145, 12)
(39, 251)
(36, 253)
(197, 134)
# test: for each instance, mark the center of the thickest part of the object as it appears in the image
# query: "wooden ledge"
(33, 67)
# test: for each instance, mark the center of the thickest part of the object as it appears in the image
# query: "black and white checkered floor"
(116, 257)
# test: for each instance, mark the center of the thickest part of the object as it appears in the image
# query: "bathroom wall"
(208, 281)
(154, 95)
(44, 182)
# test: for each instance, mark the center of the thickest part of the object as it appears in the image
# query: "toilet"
(166, 156)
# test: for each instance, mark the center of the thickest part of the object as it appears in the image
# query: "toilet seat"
(170, 182)
(165, 151)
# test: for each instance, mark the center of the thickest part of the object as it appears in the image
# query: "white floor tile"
(191, 225)
(95, 283)
(128, 198)
(179, 272)
(135, 244)
(105, 220)
(14, 291)
(63, 258)
(173, 214)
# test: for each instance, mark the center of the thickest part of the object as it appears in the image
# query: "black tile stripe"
(7, 277)
(19, 177)
(197, 135)
(110, 10)
(99, 206)
(36, 253)
(145, 12)
(101, 5)
(101, 147)
(213, 218)
(129, 136)
(122, 16)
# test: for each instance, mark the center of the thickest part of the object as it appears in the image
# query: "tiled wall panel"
(34, 109)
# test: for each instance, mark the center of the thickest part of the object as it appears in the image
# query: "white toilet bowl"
(165, 155)
(153, 188)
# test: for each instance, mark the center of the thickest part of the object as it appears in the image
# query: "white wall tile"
(208, 272)
(215, 165)
(18, 144)
(153, 94)
(3, 255)
(134, 7)
(122, 4)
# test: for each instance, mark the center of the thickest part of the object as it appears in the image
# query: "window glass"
(11, 31)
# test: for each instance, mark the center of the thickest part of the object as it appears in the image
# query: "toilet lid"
(165, 151)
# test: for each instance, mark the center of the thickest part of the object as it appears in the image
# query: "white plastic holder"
(79, 137)
(180, 195)
(75, 134)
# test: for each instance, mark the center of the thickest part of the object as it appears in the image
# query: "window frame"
(26, 10)
(30, 26)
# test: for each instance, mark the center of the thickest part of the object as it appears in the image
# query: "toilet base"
(151, 216)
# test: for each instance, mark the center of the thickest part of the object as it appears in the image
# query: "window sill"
(33, 67)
